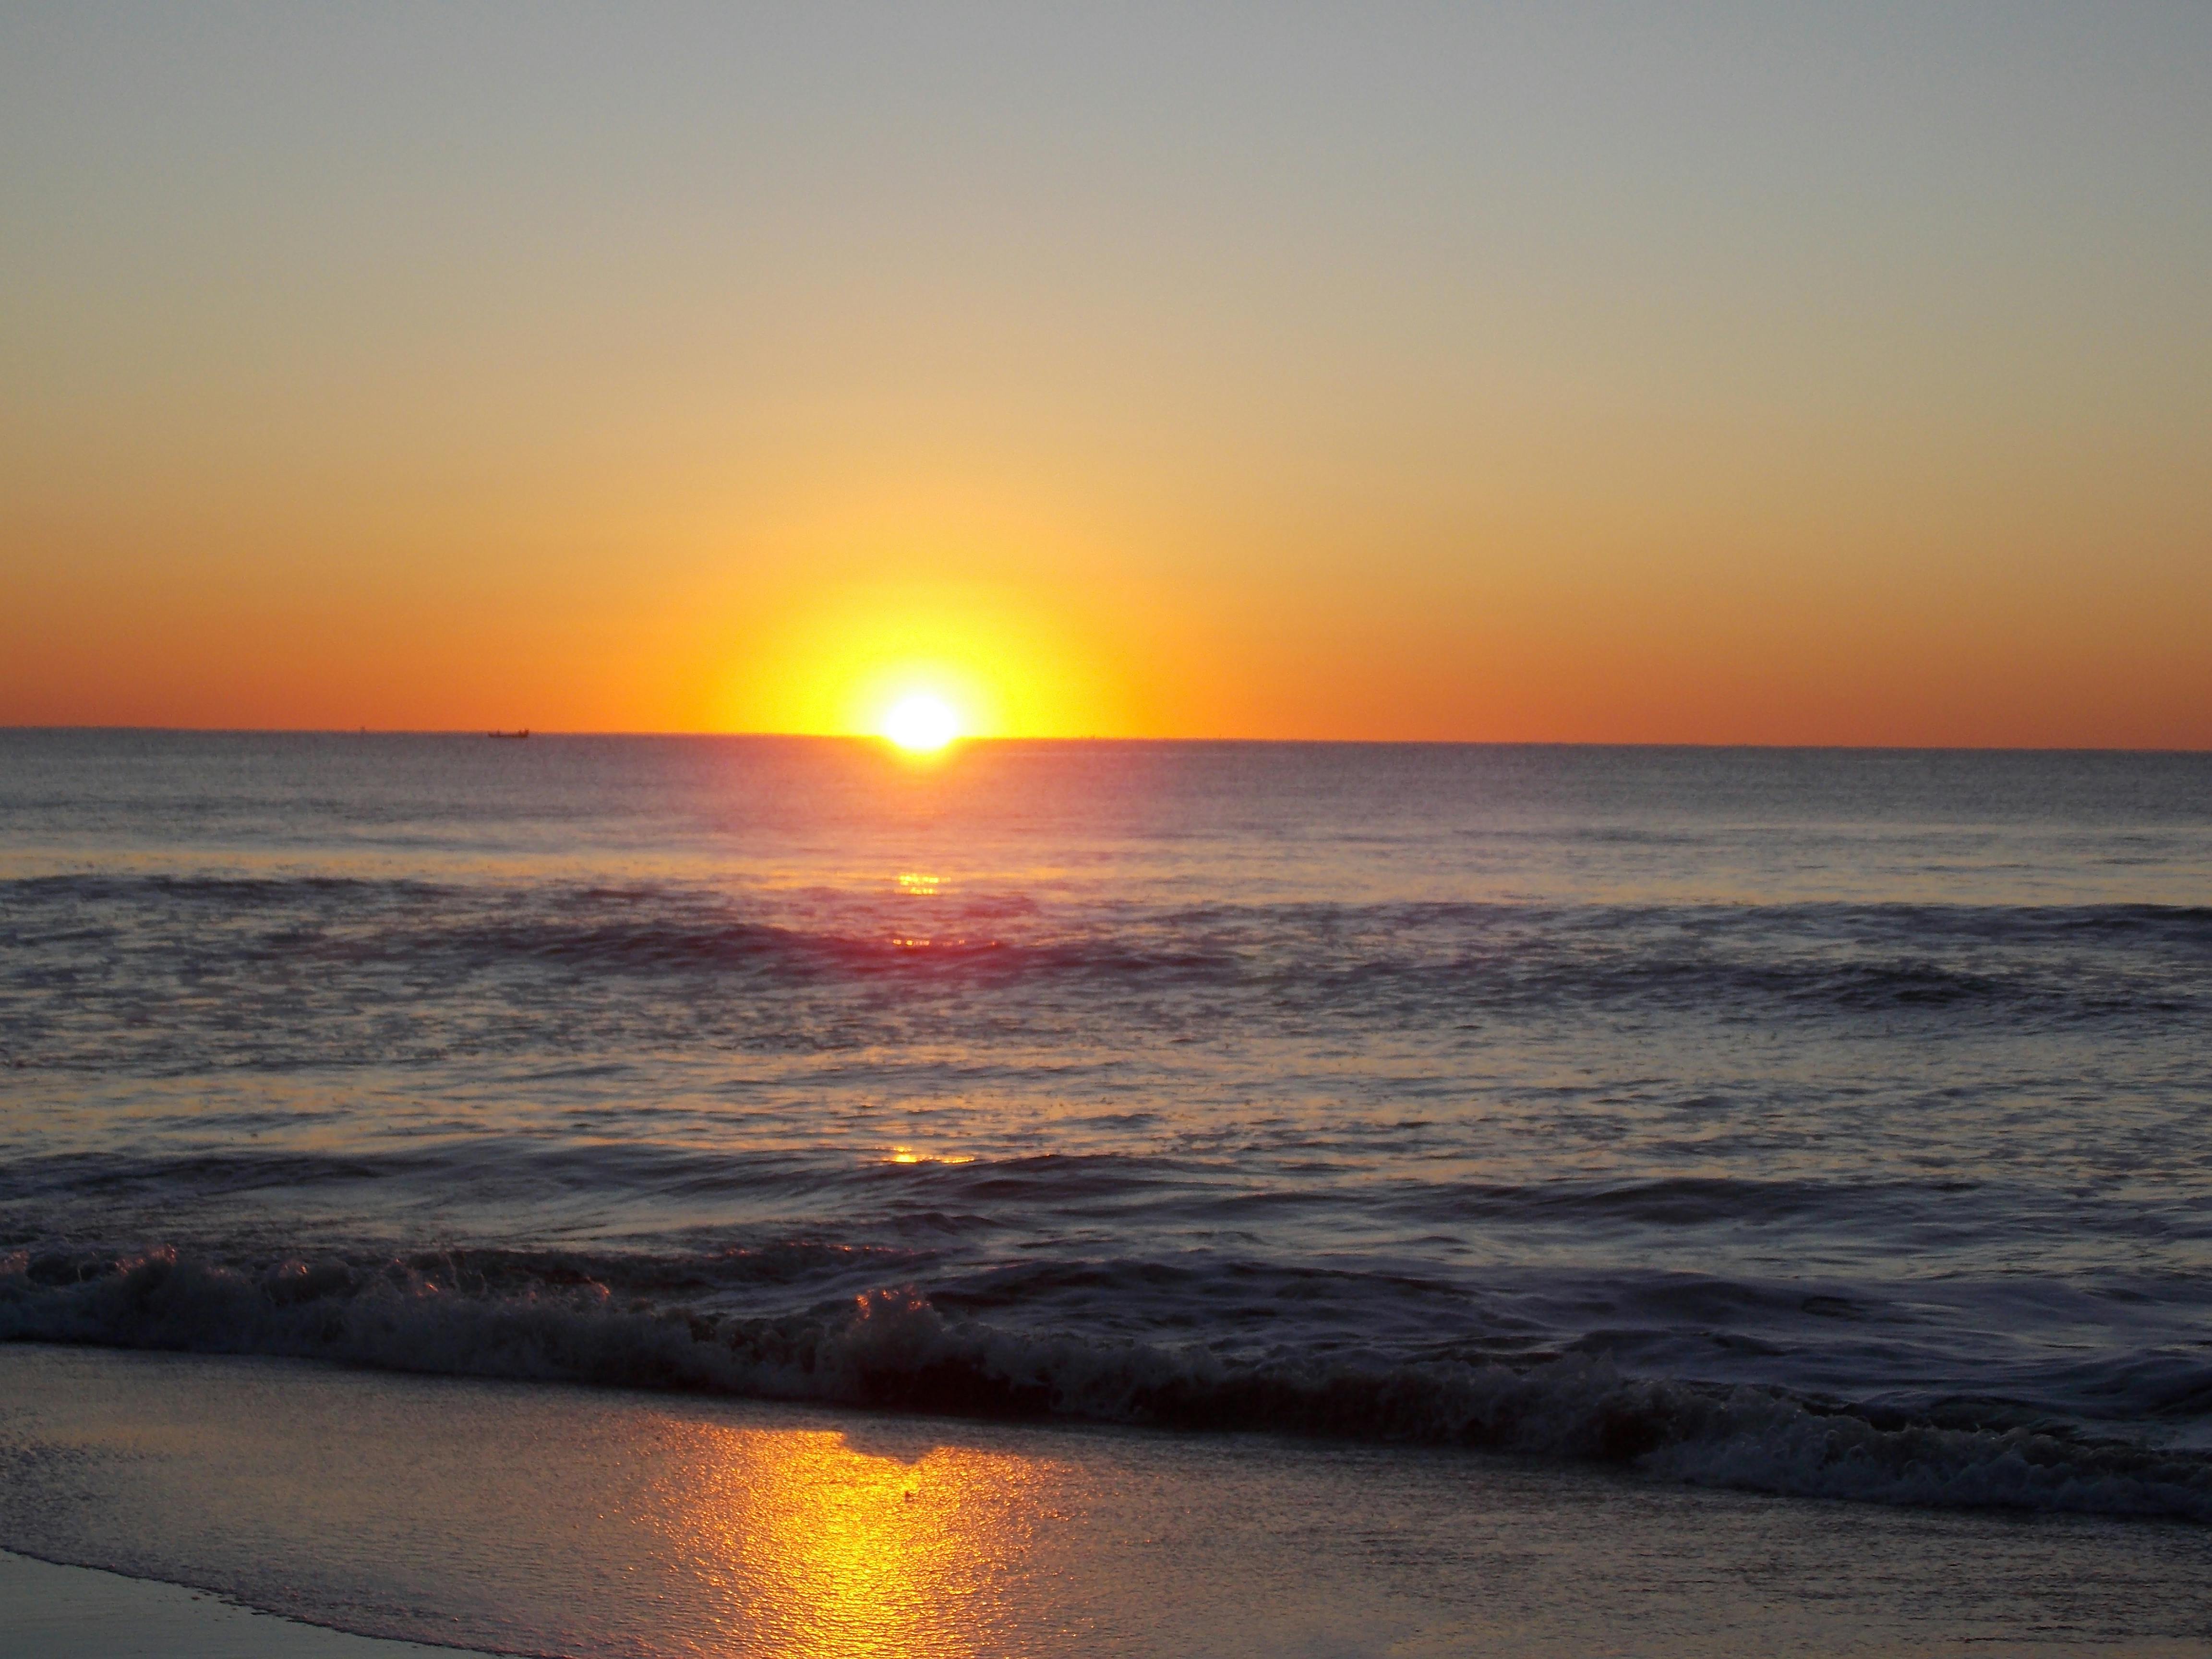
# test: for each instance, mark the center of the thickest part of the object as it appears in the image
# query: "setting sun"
(921, 723)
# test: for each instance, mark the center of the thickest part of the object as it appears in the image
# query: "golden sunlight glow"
(921, 722)
(848, 1552)
(840, 656)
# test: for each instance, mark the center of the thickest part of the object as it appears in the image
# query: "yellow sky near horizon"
(1839, 378)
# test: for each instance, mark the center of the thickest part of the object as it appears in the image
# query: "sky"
(1832, 374)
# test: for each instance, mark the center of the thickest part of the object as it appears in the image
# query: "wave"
(534, 1318)
(1022, 1186)
(94, 939)
(353, 896)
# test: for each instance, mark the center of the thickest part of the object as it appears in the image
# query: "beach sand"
(50, 1611)
(561, 1520)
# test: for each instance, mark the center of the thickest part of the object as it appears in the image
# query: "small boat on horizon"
(512, 736)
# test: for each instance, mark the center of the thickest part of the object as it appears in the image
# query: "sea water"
(1831, 1124)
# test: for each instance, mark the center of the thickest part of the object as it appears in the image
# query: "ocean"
(1788, 1125)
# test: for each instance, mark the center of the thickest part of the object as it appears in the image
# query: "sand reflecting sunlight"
(848, 1551)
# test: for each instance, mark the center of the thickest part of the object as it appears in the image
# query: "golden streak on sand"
(855, 1552)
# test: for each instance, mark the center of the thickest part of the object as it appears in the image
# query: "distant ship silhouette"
(511, 737)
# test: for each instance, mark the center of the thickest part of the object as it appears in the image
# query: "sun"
(921, 723)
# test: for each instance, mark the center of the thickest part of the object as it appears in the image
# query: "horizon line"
(1343, 743)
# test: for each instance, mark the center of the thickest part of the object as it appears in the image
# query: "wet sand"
(560, 1520)
(50, 1611)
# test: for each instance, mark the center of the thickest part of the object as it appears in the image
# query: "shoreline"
(58, 1610)
(530, 1518)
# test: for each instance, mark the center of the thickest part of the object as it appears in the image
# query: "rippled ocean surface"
(1824, 1122)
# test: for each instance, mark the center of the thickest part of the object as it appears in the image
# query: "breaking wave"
(891, 1349)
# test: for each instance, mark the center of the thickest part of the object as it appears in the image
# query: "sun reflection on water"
(847, 1552)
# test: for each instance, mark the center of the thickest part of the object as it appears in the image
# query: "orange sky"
(1845, 380)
